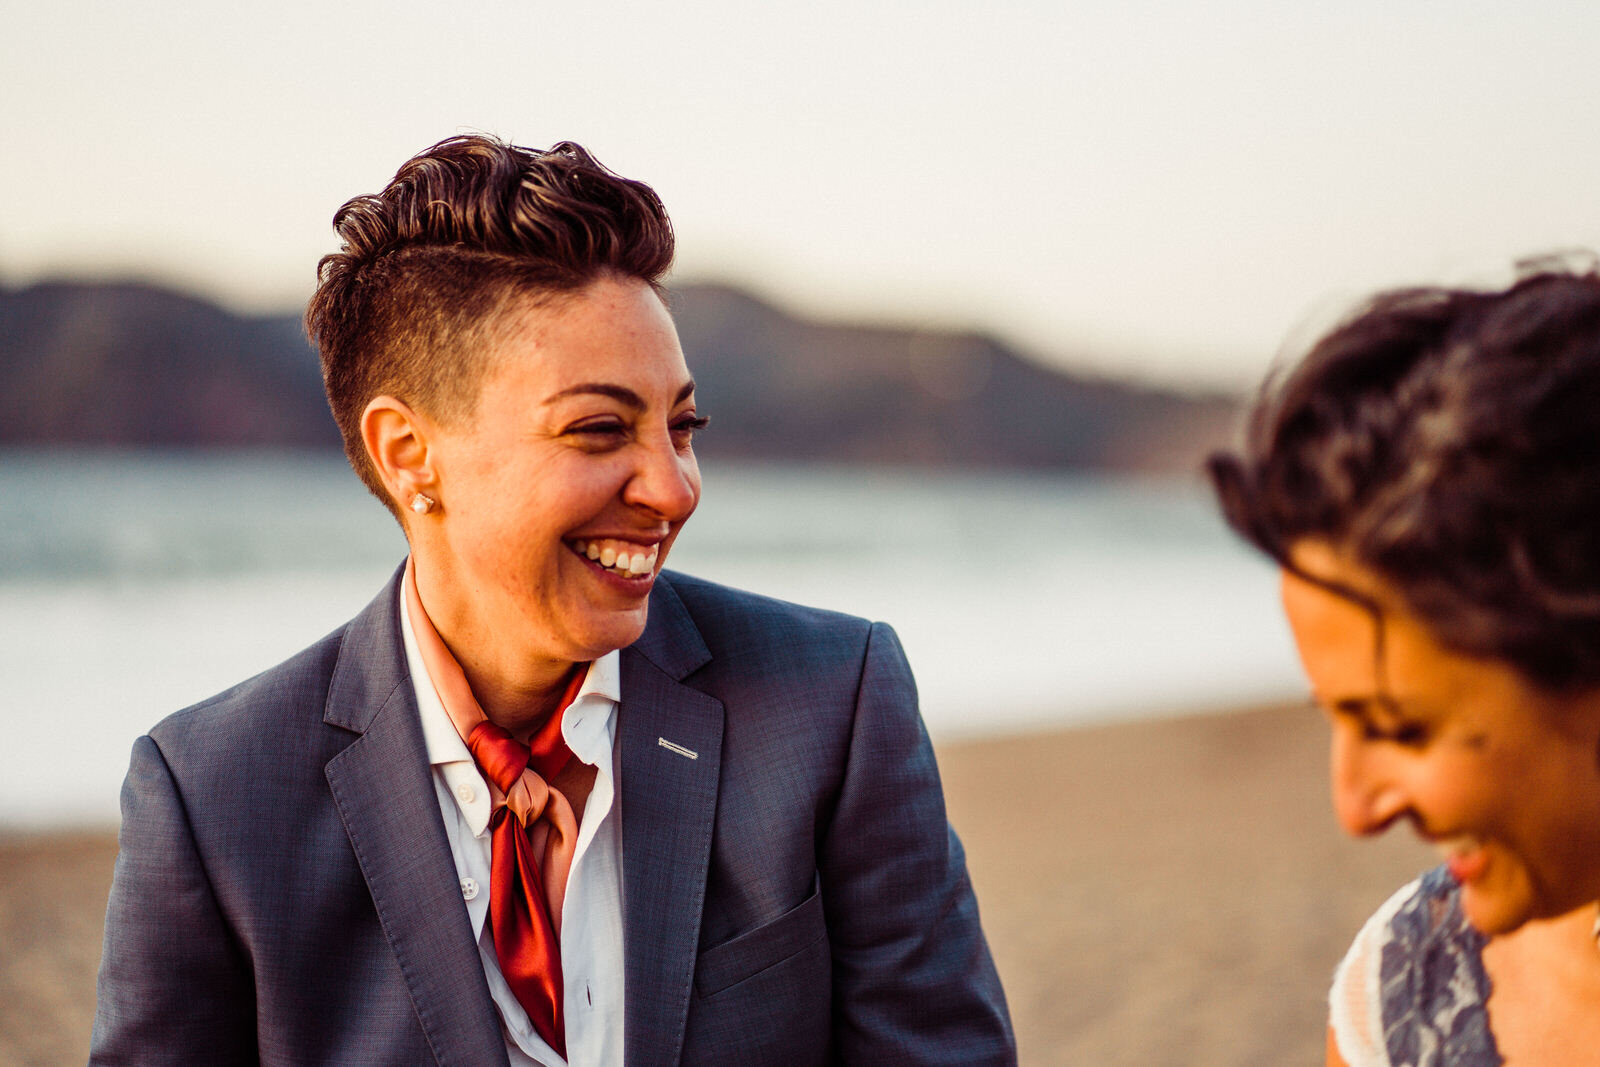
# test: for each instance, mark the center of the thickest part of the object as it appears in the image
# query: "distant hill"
(130, 364)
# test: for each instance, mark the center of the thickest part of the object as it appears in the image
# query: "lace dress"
(1412, 991)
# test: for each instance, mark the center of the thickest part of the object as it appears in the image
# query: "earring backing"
(422, 503)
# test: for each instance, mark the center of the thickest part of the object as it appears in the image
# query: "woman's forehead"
(1347, 621)
(1336, 636)
(1377, 651)
(613, 332)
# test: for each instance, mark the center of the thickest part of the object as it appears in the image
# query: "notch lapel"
(383, 787)
(670, 739)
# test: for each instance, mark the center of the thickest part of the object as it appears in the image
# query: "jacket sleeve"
(174, 986)
(913, 979)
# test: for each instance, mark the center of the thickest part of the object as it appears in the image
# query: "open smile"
(624, 559)
(1465, 856)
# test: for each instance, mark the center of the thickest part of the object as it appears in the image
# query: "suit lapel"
(383, 787)
(670, 739)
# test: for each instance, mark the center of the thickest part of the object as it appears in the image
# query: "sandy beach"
(1165, 892)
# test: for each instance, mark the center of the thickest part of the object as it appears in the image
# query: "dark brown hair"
(427, 266)
(1449, 440)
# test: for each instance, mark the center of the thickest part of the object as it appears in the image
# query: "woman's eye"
(597, 432)
(1412, 735)
(1408, 735)
(686, 426)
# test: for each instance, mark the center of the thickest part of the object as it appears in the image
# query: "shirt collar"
(588, 725)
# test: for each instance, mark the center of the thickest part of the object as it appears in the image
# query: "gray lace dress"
(1412, 991)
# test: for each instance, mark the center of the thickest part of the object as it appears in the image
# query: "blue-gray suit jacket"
(285, 893)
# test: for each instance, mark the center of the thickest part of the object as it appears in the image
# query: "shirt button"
(466, 793)
(469, 888)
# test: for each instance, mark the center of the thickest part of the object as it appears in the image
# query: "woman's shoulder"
(720, 610)
(1412, 988)
(248, 728)
(759, 645)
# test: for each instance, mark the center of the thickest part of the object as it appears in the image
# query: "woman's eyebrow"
(620, 393)
(1358, 706)
(1352, 705)
(1380, 710)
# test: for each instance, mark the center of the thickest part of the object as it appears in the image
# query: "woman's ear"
(397, 439)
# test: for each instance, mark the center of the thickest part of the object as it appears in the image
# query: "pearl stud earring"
(422, 503)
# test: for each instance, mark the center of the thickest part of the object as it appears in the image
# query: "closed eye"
(1407, 735)
(606, 435)
(598, 428)
(1368, 712)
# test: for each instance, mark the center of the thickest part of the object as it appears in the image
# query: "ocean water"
(132, 584)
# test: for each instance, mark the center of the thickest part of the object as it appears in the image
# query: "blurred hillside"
(130, 364)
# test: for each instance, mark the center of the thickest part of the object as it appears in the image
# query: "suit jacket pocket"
(766, 946)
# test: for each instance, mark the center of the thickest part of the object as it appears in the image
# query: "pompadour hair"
(426, 267)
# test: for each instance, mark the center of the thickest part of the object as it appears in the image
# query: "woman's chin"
(609, 631)
(1493, 913)
(1493, 924)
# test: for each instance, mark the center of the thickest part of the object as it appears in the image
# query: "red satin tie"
(533, 834)
(526, 939)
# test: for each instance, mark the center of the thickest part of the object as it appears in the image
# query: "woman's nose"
(666, 483)
(1366, 796)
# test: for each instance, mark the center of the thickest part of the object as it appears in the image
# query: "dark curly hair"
(1448, 440)
(426, 266)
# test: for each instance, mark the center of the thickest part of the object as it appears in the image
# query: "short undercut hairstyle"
(1449, 440)
(427, 266)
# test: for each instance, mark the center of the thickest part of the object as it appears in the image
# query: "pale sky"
(1167, 190)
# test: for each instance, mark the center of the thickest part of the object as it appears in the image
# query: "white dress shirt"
(591, 916)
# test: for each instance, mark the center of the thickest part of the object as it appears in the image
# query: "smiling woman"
(581, 436)
(1499, 773)
(542, 802)
(1428, 477)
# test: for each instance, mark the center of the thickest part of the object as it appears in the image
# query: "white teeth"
(1457, 846)
(630, 561)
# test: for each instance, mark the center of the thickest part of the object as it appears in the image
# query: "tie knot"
(500, 757)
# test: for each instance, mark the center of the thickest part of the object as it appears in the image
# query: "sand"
(1167, 892)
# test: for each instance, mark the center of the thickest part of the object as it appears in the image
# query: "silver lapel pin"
(679, 749)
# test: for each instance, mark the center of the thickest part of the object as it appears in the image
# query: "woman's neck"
(517, 702)
(1545, 981)
(517, 684)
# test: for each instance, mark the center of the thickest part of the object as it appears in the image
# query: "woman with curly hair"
(1428, 478)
